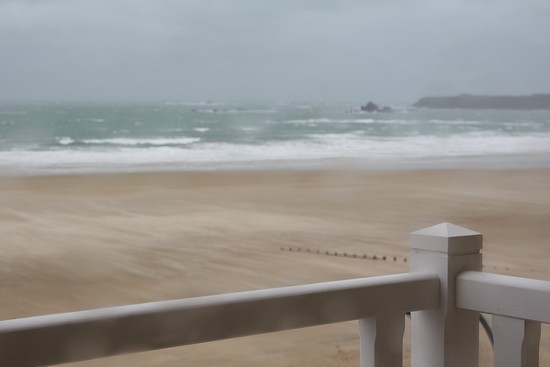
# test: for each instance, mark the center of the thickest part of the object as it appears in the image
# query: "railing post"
(382, 341)
(446, 336)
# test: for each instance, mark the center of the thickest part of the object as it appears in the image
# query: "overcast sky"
(274, 50)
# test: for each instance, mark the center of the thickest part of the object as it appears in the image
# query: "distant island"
(468, 101)
(373, 107)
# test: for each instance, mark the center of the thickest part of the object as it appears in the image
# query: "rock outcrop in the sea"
(468, 101)
(373, 107)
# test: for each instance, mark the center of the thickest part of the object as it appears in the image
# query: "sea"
(66, 138)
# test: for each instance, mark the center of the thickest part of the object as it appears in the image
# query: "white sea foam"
(322, 147)
(137, 141)
(201, 129)
(231, 111)
(331, 139)
(457, 122)
(171, 130)
(65, 140)
(309, 122)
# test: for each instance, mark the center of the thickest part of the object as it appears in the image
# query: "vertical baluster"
(382, 341)
(516, 342)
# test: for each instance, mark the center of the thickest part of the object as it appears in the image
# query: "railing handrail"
(445, 291)
(504, 295)
(77, 336)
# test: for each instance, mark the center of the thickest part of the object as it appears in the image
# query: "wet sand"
(85, 241)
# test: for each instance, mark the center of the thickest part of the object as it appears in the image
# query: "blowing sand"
(79, 242)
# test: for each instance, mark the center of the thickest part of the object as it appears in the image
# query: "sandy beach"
(85, 241)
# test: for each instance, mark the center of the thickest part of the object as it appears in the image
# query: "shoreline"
(74, 242)
(489, 162)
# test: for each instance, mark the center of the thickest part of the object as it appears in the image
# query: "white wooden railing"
(518, 306)
(445, 292)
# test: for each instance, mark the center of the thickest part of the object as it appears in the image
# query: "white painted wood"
(516, 342)
(445, 293)
(504, 295)
(448, 238)
(446, 336)
(382, 341)
(76, 336)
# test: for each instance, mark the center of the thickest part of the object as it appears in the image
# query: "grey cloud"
(271, 50)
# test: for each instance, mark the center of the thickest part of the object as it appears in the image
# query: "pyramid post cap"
(448, 238)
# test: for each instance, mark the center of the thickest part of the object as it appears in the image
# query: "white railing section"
(504, 295)
(76, 336)
(518, 306)
(445, 293)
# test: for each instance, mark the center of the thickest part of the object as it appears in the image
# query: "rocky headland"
(373, 107)
(468, 101)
